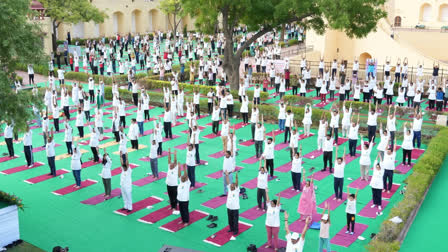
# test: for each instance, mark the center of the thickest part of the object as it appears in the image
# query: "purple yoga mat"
(247, 143)
(281, 146)
(345, 240)
(387, 195)
(403, 169)
(252, 213)
(302, 136)
(313, 155)
(147, 159)
(100, 198)
(359, 184)
(148, 179)
(157, 215)
(90, 163)
(288, 193)
(284, 168)
(298, 225)
(416, 153)
(320, 174)
(332, 202)
(252, 184)
(213, 135)
(215, 202)
(369, 212)
(218, 174)
(342, 140)
(349, 158)
(251, 160)
(174, 137)
(262, 248)
(218, 154)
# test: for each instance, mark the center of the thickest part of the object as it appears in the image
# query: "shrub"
(292, 42)
(282, 44)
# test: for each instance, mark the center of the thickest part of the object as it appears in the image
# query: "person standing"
(116, 127)
(260, 132)
(353, 137)
(167, 122)
(417, 128)
(289, 122)
(94, 141)
(80, 122)
(307, 202)
(364, 161)
(28, 147)
(8, 133)
(389, 167)
(372, 122)
(324, 233)
(408, 135)
(191, 161)
(76, 166)
(68, 137)
(268, 154)
(171, 180)
(233, 204)
(262, 185)
(106, 174)
(294, 241)
(350, 210)
(339, 167)
(49, 147)
(391, 118)
(195, 139)
(183, 197)
(296, 169)
(228, 166)
(126, 182)
(133, 134)
(334, 125)
(140, 119)
(272, 221)
(377, 184)
(307, 120)
(327, 148)
(153, 156)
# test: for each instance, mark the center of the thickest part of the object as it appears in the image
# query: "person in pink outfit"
(307, 202)
(272, 221)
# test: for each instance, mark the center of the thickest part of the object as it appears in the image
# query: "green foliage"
(11, 199)
(292, 42)
(282, 44)
(297, 100)
(173, 8)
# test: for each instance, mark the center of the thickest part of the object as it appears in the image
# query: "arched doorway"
(425, 12)
(364, 57)
(154, 20)
(397, 21)
(136, 22)
(443, 13)
(118, 22)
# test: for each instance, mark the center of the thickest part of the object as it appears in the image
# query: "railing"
(421, 28)
(295, 50)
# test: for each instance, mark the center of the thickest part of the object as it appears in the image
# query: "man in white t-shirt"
(183, 197)
(228, 166)
(295, 241)
(233, 204)
(389, 167)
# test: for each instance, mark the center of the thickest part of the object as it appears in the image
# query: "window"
(397, 21)
(443, 13)
(426, 13)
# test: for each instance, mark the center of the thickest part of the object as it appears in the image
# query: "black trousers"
(184, 213)
(28, 150)
(134, 144)
(123, 121)
(407, 154)
(198, 110)
(168, 130)
(10, 146)
(233, 216)
(350, 222)
(95, 154)
(52, 165)
(258, 148)
(117, 136)
(230, 109)
(338, 187)
(328, 157)
(334, 133)
(439, 105)
(270, 166)
(352, 146)
(66, 112)
(294, 90)
(81, 131)
(215, 127)
(210, 106)
(147, 114)
(376, 196)
(87, 113)
(388, 177)
(245, 117)
(261, 198)
(192, 175)
(252, 128)
(135, 98)
(172, 194)
(56, 124)
(160, 149)
(431, 104)
(92, 95)
(371, 132)
(69, 147)
(296, 178)
(287, 133)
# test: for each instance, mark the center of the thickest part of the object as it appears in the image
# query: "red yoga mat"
(197, 186)
(174, 225)
(332, 202)
(222, 236)
(369, 212)
(218, 174)
(320, 104)
(345, 240)
(280, 146)
(157, 215)
(148, 179)
(7, 158)
(100, 198)
(215, 202)
(213, 135)
(137, 206)
(117, 170)
(251, 160)
(90, 163)
(247, 143)
(394, 188)
(321, 174)
(238, 125)
(88, 142)
(349, 158)
(314, 154)
(298, 225)
(147, 132)
(416, 153)
(252, 213)
(169, 139)
(218, 154)
(303, 136)
(288, 193)
(20, 168)
(403, 169)
(184, 146)
(284, 168)
(252, 184)
(360, 184)
(70, 188)
(262, 248)
(147, 159)
(342, 140)
(44, 177)
(177, 124)
(271, 134)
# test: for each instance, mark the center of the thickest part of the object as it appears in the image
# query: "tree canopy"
(20, 44)
(174, 9)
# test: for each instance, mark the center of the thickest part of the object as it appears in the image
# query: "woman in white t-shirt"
(364, 161)
(377, 184)
(244, 109)
(307, 120)
(272, 221)
(296, 170)
(106, 174)
(76, 165)
(407, 145)
(350, 210)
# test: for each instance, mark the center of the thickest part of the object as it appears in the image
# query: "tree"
(173, 8)
(355, 17)
(21, 43)
(70, 12)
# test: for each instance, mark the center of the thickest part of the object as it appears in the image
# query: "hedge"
(424, 172)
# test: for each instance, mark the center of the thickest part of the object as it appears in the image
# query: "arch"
(118, 22)
(425, 12)
(397, 21)
(363, 57)
(154, 17)
(443, 13)
(137, 25)
(77, 30)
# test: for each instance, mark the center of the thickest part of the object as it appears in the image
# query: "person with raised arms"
(295, 241)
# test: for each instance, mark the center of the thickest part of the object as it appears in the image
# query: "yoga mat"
(174, 137)
(90, 163)
(320, 104)
(369, 212)
(320, 174)
(130, 107)
(247, 143)
(416, 153)
(238, 126)
(288, 193)
(100, 197)
(111, 117)
(251, 160)
(188, 131)
(7, 158)
(177, 124)
(252, 184)
(108, 144)
(215, 202)
(213, 135)
(222, 236)
(342, 140)
(147, 159)
(137, 206)
(70, 188)
(314, 154)
(147, 132)
(218, 154)
(345, 240)
(252, 213)
(262, 248)
(44, 177)
(403, 169)
(281, 146)
(157, 215)
(55, 132)
(148, 179)
(174, 225)
(332, 202)
(197, 186)
(218, 174)
(394, 188)
(303, 136)
(88, 142)
(276, 132)
(298, 225)
(117, 170)
(349, 158)
(20, 168)
(65, 155)
(359, 184)
(184, 146)
(140, 146)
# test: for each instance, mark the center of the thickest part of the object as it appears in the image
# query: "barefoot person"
(295, 241)
(172, 179)
(307, 202)
(377, 184)
(272, 221)
(183, 196)
(339, 166)
(324, 234)
(262, 186)
(126, 182)
(76, 166)
(233, 204)
(106, 174)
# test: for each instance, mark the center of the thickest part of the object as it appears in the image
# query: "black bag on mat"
(252, 248)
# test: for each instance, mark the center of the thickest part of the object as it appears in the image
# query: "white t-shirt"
(339, 170)
(183, 191)
(262, 180)
(172, 175)
(233, 198)
(273, 216)
(351, 207)
(190, 159)
(298, 247)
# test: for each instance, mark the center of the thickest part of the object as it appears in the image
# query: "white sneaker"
(379, 208)
(232, 238)
(372, 206)
(292, 189)
(175, 212)
(347, 232)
